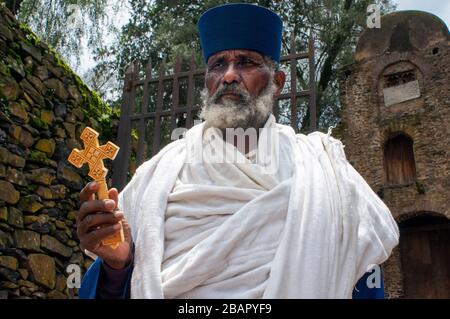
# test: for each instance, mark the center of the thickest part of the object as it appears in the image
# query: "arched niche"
(398, 84)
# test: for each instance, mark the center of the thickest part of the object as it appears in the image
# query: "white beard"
(230, 114)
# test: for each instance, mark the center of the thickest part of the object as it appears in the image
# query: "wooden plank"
(150, 115)
(181, 75)
(296, 56)
(415, 271)
(399, 160)
(140, 154)
(312, 85)
(425, 261)
(191, 87)
(439, 250)
(298, 94)
(292, 93)
(175, 94)
(120, 165)
(159, 102)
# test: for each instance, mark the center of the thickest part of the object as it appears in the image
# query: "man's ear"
(279, 78)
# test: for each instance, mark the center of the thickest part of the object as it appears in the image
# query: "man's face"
(239, 89)
(243, 67)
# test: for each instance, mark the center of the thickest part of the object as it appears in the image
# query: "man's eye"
(247, 62)
(216, 65)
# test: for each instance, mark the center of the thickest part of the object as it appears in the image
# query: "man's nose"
(231, 75)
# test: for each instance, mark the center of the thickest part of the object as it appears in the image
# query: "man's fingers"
(114, 195)
(98, 235)
(95, 206)
(91, 221)
(88, 192)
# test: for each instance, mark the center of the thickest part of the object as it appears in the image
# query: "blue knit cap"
(240, 26)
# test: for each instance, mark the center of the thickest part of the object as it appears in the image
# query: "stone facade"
(43, 109)
(399, 84)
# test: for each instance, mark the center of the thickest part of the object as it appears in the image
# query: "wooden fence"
(155, 103)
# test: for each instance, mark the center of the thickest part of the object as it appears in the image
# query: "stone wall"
(405, 40)
(43, 109)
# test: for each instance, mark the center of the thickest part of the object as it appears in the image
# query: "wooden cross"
(93, 154)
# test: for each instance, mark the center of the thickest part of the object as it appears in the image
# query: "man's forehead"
(235, 53)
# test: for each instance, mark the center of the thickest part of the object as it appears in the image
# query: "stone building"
(396, 128)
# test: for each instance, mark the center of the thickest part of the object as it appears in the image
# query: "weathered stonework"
(418, 43)
(43, 106)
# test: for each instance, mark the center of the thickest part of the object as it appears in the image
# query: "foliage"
(68, 25)
(160, 30)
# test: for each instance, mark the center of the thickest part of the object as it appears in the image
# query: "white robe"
(309, 229)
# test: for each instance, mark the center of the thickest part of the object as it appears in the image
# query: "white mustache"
(242, 114)
(230, 88)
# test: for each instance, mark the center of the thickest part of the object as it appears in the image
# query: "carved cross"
(94, 154)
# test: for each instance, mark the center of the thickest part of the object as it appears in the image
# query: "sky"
(440, 8)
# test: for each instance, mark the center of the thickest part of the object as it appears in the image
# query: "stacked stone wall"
(44, 107)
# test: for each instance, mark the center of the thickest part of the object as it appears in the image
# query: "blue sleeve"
(89, 284)
(367, 287)
(88, 288)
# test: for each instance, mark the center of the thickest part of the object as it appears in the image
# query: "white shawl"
(310, 229)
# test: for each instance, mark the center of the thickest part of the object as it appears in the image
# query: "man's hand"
(98, 219)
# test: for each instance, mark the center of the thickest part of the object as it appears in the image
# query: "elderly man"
(280, 215)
